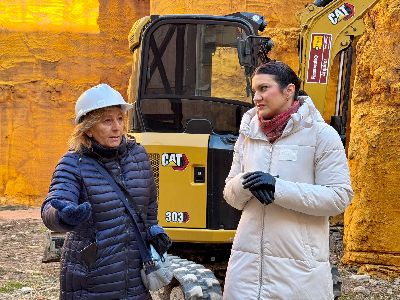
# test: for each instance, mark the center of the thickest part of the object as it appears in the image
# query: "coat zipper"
(121, 178)
(263, 215)
(127, 268)
(261, 254)
(262, 235)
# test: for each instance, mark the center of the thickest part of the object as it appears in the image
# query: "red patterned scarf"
(274, 127)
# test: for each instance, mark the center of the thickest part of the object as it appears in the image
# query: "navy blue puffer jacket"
(116, 272)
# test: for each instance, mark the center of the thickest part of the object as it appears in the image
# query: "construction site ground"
(24, 276)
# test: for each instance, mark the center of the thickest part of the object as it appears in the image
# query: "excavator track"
(195, 280)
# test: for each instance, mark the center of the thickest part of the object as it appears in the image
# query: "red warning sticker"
(318, 63)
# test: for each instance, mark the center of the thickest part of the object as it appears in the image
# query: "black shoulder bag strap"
(144, 251)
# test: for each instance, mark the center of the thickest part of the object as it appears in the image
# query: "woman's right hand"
(71, 213)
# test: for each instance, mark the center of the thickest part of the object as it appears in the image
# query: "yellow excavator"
(190, 86)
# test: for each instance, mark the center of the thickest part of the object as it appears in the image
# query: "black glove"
(265, 197)
(261, 185)
(71, 213)
(159, 239)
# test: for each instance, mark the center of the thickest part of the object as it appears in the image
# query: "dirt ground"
(24, 276)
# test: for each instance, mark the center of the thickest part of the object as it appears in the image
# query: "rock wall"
(49, 55)
(373, 219)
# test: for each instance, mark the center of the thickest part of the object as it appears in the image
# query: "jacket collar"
(104, 153)
(303, 118)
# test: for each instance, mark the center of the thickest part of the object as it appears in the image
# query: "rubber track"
(196, 281)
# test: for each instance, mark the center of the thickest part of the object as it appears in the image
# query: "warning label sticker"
(318, 63)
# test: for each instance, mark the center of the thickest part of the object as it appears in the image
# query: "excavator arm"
(328, 28)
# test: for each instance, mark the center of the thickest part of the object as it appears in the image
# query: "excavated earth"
(24, 276)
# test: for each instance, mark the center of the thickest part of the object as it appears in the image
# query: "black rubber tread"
(196, 281)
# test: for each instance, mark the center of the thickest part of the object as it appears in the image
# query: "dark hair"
(283, 74)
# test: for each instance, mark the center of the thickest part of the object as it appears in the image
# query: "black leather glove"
(159, 239)
(71, 213)
(265, 197)
(261, 185)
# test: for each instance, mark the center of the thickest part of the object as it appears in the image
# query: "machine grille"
(155, 165)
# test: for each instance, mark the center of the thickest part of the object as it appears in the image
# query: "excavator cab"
(190, 86)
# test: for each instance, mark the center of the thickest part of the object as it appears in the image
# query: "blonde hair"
(79, 139)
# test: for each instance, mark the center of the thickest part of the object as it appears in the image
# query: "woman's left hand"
(261, 185)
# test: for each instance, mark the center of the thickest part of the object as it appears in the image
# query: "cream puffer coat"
(281, 250)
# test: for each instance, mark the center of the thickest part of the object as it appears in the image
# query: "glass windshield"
(195, 60)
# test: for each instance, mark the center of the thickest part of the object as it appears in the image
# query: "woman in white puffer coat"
(289, 174)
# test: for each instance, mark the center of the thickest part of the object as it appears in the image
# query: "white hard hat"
(99, 96)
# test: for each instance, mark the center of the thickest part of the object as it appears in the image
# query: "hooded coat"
(281, 250)
(115, 273)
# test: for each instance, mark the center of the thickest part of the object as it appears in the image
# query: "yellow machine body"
(181, 209)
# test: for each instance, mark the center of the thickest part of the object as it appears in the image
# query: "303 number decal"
(176, 216)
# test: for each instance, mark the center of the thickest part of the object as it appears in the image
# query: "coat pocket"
(89, 254)
(310, 245)
(317, 228)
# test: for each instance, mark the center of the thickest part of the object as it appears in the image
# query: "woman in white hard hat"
(101, 257)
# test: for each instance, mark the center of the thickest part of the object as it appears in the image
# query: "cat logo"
(343, 12)
(178, 161)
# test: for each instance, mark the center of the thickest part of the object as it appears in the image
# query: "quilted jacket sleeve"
(332, 191)
(234, 193)
(65, 186)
